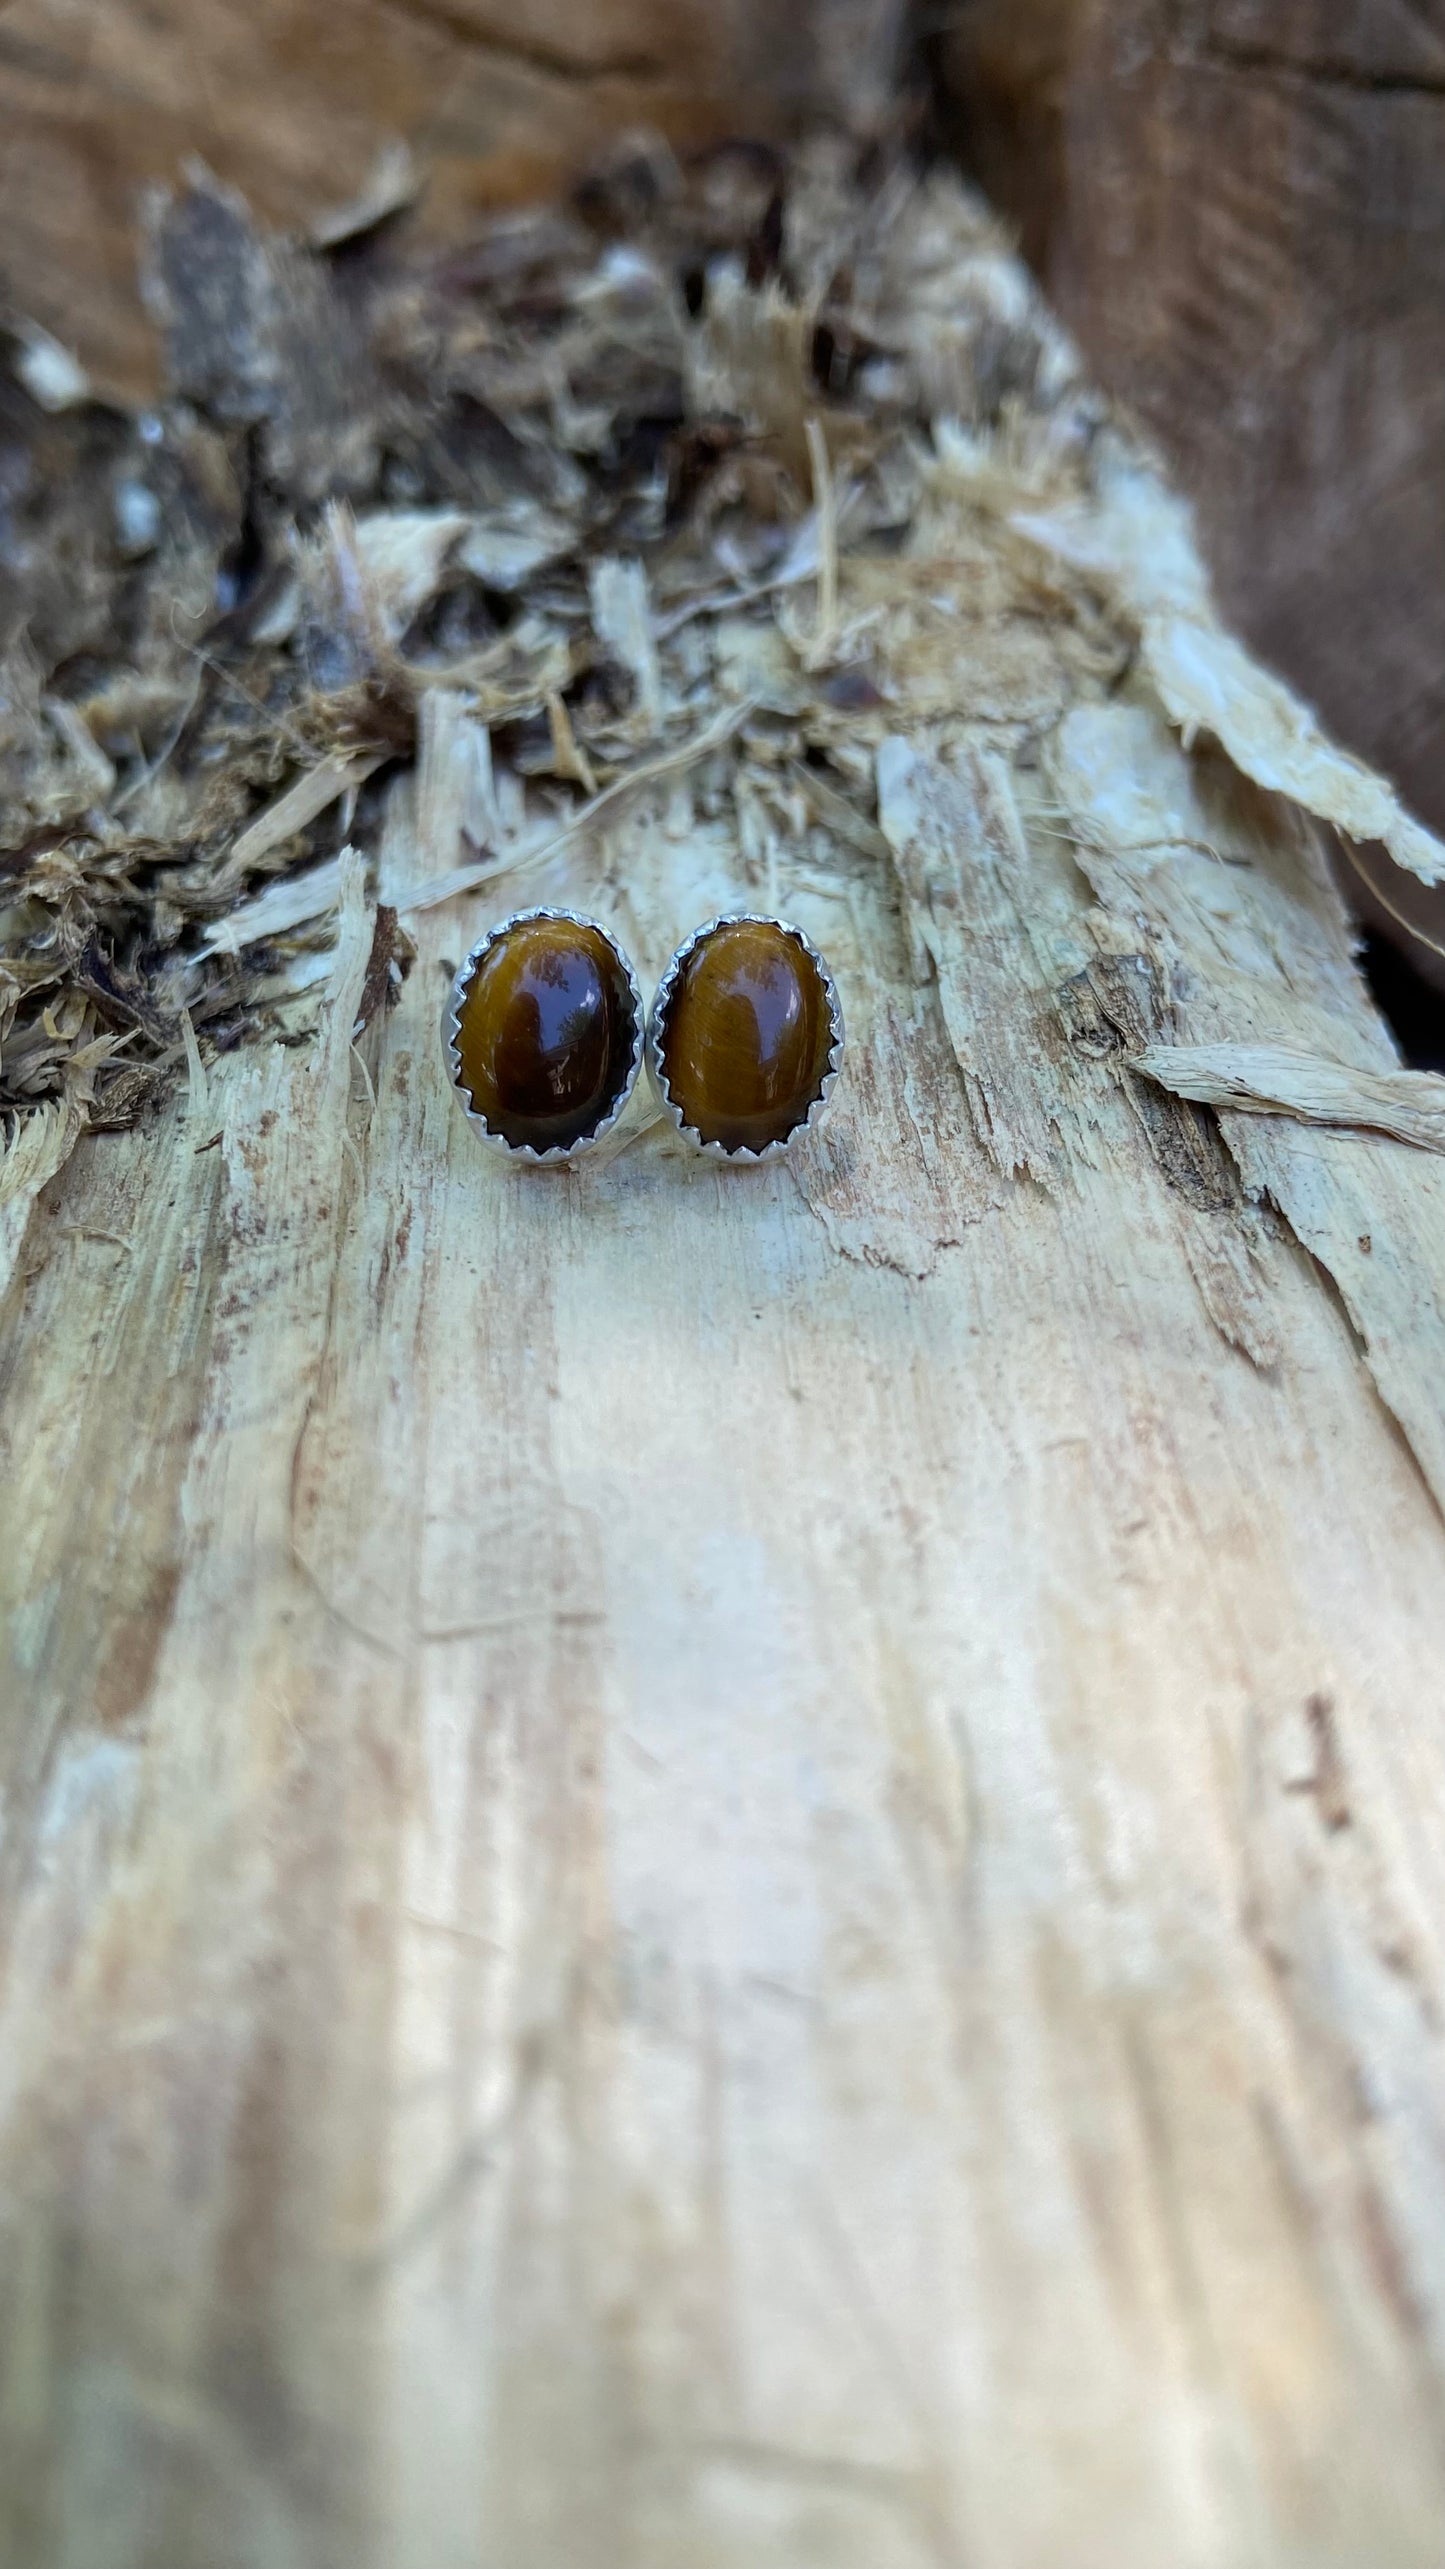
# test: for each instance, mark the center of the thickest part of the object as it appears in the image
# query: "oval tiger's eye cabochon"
(747, 1034)
(545, 1033)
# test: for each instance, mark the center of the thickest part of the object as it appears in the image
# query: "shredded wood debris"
(693, 489)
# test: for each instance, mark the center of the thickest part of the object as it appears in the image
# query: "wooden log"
(716, 1866)
(1238, 208)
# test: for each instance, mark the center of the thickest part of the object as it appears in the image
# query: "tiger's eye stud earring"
(544, 1035)
(746, 1036)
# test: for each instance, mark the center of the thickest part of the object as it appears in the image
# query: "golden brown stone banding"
(743, 1039)
(547, 1026)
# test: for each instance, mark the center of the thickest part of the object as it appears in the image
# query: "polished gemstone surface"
(747, 1034)
(546, 1032)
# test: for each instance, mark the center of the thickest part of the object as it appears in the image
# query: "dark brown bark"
(1239, 206)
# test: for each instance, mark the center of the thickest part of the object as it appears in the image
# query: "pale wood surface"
(710, 1868)
(723, 1868)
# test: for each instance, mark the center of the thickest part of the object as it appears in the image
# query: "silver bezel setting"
(658, 1017)
(559, 1153)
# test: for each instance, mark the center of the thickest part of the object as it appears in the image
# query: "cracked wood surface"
(707, 1867)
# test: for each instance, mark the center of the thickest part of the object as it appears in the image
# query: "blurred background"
(1237, 205)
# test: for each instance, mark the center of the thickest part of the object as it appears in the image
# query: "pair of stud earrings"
(545, 1035)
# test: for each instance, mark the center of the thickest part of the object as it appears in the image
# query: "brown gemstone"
(546, 1033)
(747, 1035)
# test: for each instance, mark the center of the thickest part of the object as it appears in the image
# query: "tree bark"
(1239, 207)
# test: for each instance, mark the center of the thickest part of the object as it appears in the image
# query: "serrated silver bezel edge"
(559, 1153)
(657, 1017)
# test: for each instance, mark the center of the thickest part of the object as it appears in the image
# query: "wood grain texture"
(1238, 206)
(712, 1868)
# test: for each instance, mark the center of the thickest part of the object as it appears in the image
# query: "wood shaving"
(1273, 1079)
